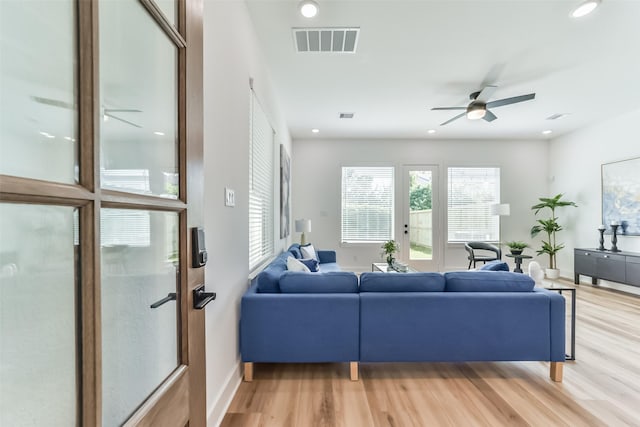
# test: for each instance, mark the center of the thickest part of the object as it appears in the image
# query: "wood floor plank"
(602, 387)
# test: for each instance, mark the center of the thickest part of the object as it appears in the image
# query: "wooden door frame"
(186, 386)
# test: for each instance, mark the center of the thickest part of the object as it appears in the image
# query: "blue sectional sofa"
(334, 316)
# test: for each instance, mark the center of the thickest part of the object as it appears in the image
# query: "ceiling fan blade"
(489, 116)
(486, 93)
(54, 102)
(122, 120)
(455, 118)
(507, 101)
(120, 110)
(448, 108)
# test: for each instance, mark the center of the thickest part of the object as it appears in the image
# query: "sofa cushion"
(308, 251)
(295, 250)
(329, 266)
(495, 266)
(296, 282)
(487, 281)
(401, 282)
(296, 265)
(269, 278)
(311, 264)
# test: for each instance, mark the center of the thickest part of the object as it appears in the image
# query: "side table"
(518, 260)
(560, 289)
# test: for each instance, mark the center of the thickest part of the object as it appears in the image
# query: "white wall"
(575, 164)
(316, 182)
(231, 57)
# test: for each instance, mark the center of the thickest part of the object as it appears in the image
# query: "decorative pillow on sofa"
(336, 282)
(311, 264)
(401, 282)
(308, 251)
(295, 250)
(487, 281)
(295, 265)
(495, 266)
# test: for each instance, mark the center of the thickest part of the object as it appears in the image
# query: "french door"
(99, 145)
(420, 217)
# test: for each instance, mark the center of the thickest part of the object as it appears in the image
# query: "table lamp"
(302, 226)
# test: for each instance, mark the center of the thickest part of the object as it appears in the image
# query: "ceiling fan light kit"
(585, 8)
(476, 111)
(308, 8)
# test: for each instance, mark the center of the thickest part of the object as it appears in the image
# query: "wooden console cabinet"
(621, 267)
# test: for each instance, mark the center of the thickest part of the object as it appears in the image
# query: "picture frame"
(285, 192)
(621, 196)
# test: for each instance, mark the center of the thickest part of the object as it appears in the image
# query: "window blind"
(367, 204)
(261, 194)
(472, 191)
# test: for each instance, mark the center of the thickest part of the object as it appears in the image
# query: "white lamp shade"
(303, 226)
(503, 209)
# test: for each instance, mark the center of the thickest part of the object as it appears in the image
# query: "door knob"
(202, 298)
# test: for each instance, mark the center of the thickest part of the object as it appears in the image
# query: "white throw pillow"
(295, 265)
(308, 251)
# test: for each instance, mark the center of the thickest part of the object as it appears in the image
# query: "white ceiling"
(415, 55)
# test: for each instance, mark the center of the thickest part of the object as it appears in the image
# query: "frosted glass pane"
(420, 215)
(138, 95)
(38, 115)
(38, 366)
(168, 7)
(139, 343)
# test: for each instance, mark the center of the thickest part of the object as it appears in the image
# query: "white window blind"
(471, 193)
(367, 204)
(261, 176)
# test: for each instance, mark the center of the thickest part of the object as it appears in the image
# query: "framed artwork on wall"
(285, 192)
(621, 196)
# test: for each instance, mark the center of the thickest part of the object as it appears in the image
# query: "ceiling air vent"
(346, 115)
(557, 116)
(326, 40)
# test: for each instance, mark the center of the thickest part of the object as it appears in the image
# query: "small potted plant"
(389, 248)
(517, 247)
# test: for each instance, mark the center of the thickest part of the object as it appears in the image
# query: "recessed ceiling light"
(431, 131)
(158, 133)
(315, 130)
(547, 132)
(585, 8)
(308, 8)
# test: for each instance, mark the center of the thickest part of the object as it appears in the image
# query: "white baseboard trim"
(224, 398)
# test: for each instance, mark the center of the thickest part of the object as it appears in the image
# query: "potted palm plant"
(550, 226)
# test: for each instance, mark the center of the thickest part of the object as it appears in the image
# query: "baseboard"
(224, 398)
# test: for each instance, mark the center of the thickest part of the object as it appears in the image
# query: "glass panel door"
(420, 218)
(38, 332)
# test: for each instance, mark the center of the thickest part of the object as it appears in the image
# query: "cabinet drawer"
(633, 272)
(611, 267)
(584, 262)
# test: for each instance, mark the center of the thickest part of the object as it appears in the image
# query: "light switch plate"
(229, 197)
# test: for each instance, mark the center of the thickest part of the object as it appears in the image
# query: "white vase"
(552, 273)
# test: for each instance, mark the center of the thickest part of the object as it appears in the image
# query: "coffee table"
(384, 267)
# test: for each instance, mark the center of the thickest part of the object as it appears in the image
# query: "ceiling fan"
(107, 112)
(479, 106)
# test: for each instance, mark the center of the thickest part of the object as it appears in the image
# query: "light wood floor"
(602, 387)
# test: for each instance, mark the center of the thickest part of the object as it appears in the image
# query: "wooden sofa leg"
(353, 370)
(556, 371)
(248, 371)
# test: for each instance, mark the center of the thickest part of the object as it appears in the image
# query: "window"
(471, 193)
(261, 198)
(367, 204)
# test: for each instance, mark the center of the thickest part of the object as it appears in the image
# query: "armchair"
(478, 251)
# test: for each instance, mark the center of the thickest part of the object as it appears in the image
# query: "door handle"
(169, 297)
(202, 298)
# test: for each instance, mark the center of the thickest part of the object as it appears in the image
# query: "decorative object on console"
(614, 238)
(303, 226)
(620, 189)
(389, 248)
(550, 226)
(601, 229)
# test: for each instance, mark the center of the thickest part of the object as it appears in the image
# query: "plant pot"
(552, 273)
(516, 251)
(390, 260)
